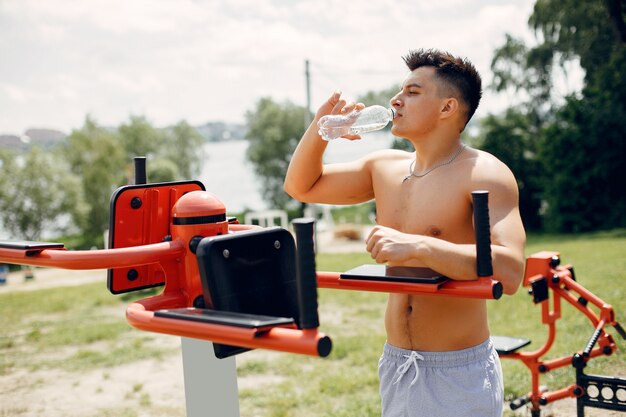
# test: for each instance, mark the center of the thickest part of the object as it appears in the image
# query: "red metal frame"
(141, 215)
(562, 286)
(485, 287)
(160, 237)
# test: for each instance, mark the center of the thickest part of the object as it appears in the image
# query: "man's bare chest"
(437, 208)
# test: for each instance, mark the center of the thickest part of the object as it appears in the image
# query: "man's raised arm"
(309, 180)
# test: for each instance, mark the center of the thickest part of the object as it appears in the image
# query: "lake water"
(230, 176)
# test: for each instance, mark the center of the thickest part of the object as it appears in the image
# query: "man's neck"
(434, 150)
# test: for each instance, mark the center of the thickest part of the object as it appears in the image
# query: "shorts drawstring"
(411, 360)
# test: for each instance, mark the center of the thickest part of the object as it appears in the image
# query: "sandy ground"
(56, 393)
(149, 388)
(153, 387)
(50, 278)
(328, 243)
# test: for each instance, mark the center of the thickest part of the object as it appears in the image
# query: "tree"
(567, 31)
(139, 137)
(582, 155)
(273, 132)
(381, 97)
(162, 170)
(580, 137)
(7, 167)
(183, 146)
(36, 194)
(96, 156)
(510, 137)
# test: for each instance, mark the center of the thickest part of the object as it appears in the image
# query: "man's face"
(418, 104)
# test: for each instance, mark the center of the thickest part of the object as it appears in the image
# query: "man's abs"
(434, 323)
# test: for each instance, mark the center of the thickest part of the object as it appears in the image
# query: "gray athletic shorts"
(458, 383)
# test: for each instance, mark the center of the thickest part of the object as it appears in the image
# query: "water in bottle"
(371, 118)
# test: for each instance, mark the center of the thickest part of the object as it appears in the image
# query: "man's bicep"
(508, 231)
(509, 238)
(342, 183)
(506, 223)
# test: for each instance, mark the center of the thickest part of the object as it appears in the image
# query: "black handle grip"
(525, 399)
(480, 200)
(592, 342)
(140, 170)
(519, 402)
(620, 330)
(306, 279)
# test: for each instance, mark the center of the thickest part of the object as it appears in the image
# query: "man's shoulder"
(484, 161)
(487, 169)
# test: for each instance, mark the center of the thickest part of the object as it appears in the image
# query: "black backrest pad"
(251, 272)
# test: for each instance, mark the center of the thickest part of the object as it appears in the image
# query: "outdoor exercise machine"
(238, 286)
(231, 287)
(547, 279)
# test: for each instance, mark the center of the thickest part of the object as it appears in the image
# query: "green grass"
(346, 383)
(599, 265)
(72, 328)
(358, 213)
(81, 328)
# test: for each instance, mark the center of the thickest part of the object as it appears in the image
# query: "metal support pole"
(210, 383)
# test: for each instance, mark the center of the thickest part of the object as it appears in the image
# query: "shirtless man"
(438, 359)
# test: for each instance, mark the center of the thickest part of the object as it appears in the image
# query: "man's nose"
(395, 102)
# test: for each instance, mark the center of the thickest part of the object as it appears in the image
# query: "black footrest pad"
(505, 344)
(29, 245)
(226, 318)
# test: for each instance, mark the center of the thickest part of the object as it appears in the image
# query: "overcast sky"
(209, 60)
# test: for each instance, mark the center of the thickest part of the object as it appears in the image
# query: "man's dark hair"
(459, 77)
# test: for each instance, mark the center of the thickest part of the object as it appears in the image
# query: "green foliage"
(274, 130)
(162, 170)
(183, 146)
(572, 28)
(510, 138)
(174, 153)
(96, 157)
(508, 65)
(578, 146)
(36, 193)
(567, 30)
(139, 137)
(358, 213)
(583, 153)
(381, 97)
(74, 183)
(402, 144)
(7, 164)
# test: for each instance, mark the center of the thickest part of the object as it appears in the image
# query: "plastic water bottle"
(371, 118)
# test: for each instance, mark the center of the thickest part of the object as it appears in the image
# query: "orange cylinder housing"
(196, 215)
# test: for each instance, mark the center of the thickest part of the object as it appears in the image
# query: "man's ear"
(449, 107)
